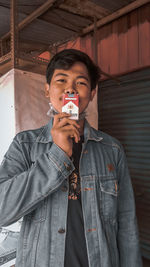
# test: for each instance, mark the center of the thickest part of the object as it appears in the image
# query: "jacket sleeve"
(128, 238)
(22, 188)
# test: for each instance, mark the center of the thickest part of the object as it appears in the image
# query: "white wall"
(7, 112)
(31, 105)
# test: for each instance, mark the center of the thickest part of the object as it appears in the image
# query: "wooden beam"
(63, 21)
(85, 8)
(115, 15)
(35, 59)
(97, 10)
(38, 12)
(5, 58)
(31, 46)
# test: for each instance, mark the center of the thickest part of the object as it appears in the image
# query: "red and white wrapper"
(71, 105)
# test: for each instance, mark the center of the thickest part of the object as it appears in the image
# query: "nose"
(71, 89)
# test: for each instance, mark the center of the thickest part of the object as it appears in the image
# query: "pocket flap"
(109, 187)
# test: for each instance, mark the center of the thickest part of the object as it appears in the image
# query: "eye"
(81, 83)
(61, 80)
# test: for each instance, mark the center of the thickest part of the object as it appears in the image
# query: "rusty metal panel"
(45, 32)
(124, 44)
(65, 19)
(144, 35)
(133, 41)
(124, 112)
(4, 20)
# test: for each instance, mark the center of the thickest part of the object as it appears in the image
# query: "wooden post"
(14, 34)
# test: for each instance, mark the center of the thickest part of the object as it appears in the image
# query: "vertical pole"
(14, 34)
(95, 41)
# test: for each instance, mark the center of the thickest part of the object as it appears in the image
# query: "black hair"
(66, 58)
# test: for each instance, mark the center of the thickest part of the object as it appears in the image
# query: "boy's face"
(74, 80)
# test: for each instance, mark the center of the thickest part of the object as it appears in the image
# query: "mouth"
(61, 98)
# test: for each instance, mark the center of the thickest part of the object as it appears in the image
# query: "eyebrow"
(60, 73)
(66, 75)
(83, 77)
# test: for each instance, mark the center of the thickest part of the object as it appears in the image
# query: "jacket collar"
(45, 134)
(89, 133)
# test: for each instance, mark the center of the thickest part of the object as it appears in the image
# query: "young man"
(70, 183)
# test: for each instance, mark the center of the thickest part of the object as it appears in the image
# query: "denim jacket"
(34, 185)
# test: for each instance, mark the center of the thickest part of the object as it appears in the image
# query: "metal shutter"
(124, 112)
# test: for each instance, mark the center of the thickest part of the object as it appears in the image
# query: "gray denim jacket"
(34, 185)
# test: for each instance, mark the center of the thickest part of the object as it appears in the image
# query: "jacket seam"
(57, 166)
(22, 153)
(113, 145)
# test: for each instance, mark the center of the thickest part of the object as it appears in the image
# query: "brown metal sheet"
(4, 20)
(123, 43)
(65, 19)
(133, 39)
(112, 5)
(144, 35)
(44, 32)
(132, 49)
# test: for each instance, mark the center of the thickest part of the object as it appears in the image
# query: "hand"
(63, 130)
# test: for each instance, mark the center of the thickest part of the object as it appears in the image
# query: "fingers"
(73, 132)
(62, 120)
(67, 121)
(58, 117)
(69, 127)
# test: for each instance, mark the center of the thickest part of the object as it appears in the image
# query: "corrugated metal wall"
(124, 112)
(123, 45)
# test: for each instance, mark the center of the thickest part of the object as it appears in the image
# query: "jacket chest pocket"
(109, 197)
(39, 214)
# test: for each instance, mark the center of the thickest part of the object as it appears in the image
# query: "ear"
(46, 90)
(93, 92)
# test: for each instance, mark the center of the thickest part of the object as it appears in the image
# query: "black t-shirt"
(75, 251)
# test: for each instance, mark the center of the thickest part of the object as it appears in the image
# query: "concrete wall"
(7, 111)
(22, 105)
(31, 105)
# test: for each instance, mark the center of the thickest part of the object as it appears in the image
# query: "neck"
(81, 123)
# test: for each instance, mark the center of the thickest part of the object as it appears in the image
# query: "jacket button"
(64, 188)
(61, 231)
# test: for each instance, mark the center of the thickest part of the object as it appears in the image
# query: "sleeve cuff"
(61, 160)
